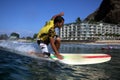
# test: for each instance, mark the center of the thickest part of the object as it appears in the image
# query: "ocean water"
(16, 64)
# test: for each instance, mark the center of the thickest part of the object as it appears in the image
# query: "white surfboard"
(82, 59)
(75, 58)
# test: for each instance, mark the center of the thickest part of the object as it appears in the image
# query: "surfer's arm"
(54, 48)
(60, 14)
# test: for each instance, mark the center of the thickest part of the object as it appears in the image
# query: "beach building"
(87, 31)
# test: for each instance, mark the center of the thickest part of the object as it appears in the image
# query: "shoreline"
(115, 42)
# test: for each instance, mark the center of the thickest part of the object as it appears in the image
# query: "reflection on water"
(81, 48)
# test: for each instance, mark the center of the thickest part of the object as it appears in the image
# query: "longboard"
(77, 59)
(82, 59)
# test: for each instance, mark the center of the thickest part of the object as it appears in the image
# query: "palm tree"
(78, 20)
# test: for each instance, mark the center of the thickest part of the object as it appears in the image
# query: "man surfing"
(48, 35)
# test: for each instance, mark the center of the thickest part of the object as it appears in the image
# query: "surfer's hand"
(59, 56)
(62, 14)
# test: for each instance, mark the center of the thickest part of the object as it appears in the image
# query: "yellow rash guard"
(46, 32)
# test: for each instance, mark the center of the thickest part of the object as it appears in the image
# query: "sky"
(27, 17)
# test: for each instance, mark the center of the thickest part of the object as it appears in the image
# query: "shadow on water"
(11, 67)
(17, 67)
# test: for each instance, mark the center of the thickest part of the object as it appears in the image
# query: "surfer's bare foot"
(40, 55)
(31, 52)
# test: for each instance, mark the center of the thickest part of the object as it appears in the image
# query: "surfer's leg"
(57, 43)
(43, 47)
(44, 50)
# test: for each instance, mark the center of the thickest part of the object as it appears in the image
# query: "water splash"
(19, 47)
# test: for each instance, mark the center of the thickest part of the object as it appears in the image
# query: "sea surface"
(16, 64)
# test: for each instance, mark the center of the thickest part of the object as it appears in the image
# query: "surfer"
(48, 35)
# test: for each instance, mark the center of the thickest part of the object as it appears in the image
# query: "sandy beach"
(108, 41)
(114, 42)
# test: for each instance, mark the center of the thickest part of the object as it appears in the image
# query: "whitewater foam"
(16, 46)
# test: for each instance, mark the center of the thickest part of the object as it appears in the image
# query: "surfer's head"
(59, 21)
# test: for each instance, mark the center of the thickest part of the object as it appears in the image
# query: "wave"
(25, 47)
(19, 47)
(22, 48)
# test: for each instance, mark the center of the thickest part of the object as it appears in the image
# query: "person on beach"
(48, 35)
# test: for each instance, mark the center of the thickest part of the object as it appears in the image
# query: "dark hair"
(58, 19)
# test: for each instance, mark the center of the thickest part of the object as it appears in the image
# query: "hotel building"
(86, 31)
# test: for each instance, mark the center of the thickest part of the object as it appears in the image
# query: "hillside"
(108, 12)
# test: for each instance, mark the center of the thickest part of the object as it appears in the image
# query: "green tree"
(3, 36)
(78, 20)
(29, 38)
(15, 34)
(35, 36)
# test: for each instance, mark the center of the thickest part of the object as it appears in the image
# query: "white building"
(85, 31)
